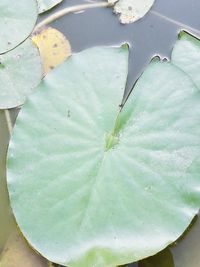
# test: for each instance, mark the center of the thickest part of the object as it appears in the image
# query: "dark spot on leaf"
(51, 67)
(2, 66)
(130, 8)
(9, 43)
(55, 45)
(68, 113)
(38, 31)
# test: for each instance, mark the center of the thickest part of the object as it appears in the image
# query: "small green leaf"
(20, 73)
(186, 55)
(131, 10)
(45, 5)
(17, 19)
(91, 187)
(162, 259)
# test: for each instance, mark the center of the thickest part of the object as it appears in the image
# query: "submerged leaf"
(20, 73)
(89, 187)
(17, 19)
(45, 5)
(53, 46)
(131, 10)
(186, 55)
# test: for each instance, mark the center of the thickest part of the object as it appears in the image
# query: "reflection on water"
(152, 35)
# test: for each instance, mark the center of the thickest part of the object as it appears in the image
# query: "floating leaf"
(20, 73)
(17, 253)
(17, 19)
(162, 259)
(90, 188)
(53, 46)
(45, 5)
(131, 10)
(186, 55)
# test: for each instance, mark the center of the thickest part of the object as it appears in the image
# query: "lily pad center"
(112, 141)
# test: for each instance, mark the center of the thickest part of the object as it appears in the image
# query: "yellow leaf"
(53, 46)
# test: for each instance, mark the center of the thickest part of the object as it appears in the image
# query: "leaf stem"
(68, 10)
(176, 22)
(9, 121)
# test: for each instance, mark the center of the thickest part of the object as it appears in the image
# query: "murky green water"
(7, 223)
(153, 35)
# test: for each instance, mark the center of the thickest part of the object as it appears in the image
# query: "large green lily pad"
(20, 72)
(17, 19)
(45, 5)
(89, 187)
